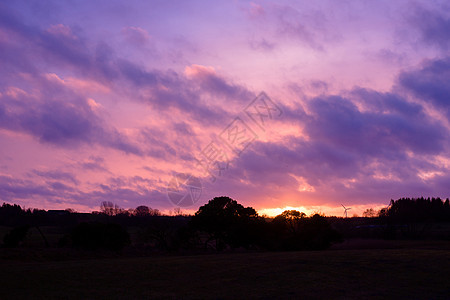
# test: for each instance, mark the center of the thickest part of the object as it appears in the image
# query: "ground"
(400, 273)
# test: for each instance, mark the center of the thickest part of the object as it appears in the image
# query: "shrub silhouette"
(99, 236)
(166, 233)
(292, 230)
(15, 236)
(316, 233)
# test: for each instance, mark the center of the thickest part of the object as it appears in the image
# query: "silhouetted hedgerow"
(95, 235)
(222, 224)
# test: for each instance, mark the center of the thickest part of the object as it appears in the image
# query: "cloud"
(62, 115)
(157, 144)
(362, 146)
(61, 30)
(433, 25)
(338, 121)
(289, 24)
(430, 83)
(56, 115)
(307, 27)
(94, 163)
(65, 87)
(136, 35)
(255, 11)
(262, 45)
(59, 117)
(13, 189)
(127, 192)
(389, 56)
(212, 83)
(57, 175)
(98, 68)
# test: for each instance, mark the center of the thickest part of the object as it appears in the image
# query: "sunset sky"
(109, 100)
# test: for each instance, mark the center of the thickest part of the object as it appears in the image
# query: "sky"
(304, 105)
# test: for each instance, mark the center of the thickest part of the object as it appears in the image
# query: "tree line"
(417, 210)
(221, 224)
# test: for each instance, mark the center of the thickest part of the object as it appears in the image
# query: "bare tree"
(109, 208)
(369, 213)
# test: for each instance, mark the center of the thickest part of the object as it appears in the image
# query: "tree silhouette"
(226, 223)
(109, 208)
(369, 213)
(292, 230)
(142, 211)
(414, 217)
(290, 219)
(411, 210)
(12, 215)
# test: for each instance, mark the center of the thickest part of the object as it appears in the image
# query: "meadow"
(409, 272)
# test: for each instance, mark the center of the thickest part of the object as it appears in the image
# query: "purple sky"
(107, 101)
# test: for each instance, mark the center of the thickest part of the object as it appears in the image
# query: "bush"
(292, 230)
(15, 236)
(317, 233)
(99, 236)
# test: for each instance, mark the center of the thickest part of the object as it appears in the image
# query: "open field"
(337, 274)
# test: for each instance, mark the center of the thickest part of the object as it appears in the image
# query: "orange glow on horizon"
(329, 211)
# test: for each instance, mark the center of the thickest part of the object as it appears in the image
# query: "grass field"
(335, 274)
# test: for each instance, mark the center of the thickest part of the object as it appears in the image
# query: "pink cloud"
(136, 35)
(255, 10)
(61, 30)
(199, 71)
